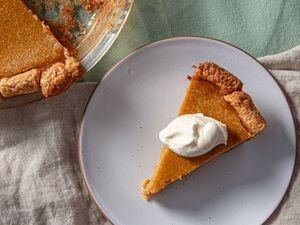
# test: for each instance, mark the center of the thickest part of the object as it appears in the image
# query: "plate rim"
(98, 85)
(97, 47)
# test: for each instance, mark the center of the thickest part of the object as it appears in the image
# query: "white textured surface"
(285, 67)
(40, 181)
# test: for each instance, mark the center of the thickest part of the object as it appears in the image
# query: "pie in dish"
(216, 93)
(32, 58)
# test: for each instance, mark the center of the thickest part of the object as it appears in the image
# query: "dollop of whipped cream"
(193, 135)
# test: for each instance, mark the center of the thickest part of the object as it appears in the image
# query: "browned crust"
(93, 4)
(60, 76)
(231, 87)
(226, 81)
(146, 193)
(24, 83)
(247, 112)
(52, 80)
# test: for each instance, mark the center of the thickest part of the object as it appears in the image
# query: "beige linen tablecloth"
(40, 181)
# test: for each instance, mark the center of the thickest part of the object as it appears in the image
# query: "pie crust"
(217, 93)
(32, 59)
(231, 87)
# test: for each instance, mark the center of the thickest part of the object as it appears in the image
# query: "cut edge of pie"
(51, 77)
(217, 93)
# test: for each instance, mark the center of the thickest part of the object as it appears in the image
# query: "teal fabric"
(260, 27)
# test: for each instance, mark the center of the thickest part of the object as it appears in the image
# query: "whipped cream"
(192, 135)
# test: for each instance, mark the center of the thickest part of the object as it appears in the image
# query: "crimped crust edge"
(247, 111)
(231, 89)
(225, 80)
(51, 80)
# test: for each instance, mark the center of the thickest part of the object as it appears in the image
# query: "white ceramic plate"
(139, 96)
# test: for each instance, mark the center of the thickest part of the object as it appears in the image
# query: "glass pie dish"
(92, 32)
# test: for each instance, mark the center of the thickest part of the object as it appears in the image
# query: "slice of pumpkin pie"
(217, 94)
(32, 58)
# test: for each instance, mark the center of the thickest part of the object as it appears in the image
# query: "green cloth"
(261, 27)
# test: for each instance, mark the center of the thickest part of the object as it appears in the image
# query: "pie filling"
(51, 80)
(32, 59)
(216, 93)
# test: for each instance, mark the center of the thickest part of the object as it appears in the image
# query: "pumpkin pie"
(32, 59)
(216, 93)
